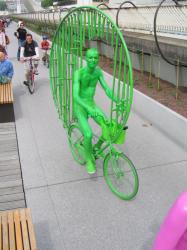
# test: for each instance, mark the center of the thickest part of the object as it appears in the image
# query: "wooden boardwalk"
(11, 185)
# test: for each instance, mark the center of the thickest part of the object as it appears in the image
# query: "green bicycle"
(80, 28)
(119, 171)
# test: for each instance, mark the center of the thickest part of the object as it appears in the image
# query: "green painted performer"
(84, 87)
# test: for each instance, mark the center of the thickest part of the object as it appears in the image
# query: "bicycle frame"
(31, 76)
(100, 153)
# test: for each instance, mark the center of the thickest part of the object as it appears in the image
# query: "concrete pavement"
(74, 211)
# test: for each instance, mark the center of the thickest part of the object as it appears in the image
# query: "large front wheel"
(76, 143)
(120, 175)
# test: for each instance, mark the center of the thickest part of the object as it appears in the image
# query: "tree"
(46, 3)
(66, 2)
(2, 5)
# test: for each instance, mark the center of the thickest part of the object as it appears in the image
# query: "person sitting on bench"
(6, 69)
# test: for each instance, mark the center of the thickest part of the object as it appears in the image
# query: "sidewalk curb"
(166, 120)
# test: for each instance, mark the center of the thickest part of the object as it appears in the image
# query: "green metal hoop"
(72, 38)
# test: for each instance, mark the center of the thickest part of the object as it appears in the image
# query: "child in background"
(45, 46)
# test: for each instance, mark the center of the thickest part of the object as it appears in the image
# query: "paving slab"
(46, 225)
(102, 221)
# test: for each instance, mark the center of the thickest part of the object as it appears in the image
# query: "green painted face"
(92, 58)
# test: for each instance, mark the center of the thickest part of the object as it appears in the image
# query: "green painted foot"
(90, 167)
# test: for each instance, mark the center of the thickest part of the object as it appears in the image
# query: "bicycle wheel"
(75, 137)
(120, 175)
(31, 84)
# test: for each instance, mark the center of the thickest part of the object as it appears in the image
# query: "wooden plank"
(31, 229)
(11, 197)
(11, 94)
(5, 155)
(19, 243)
(12, 205)
(7, 124)
(14, 164)
(11, 190)
(11, 231)
(10, 178)
(7, 88)
(13, 183)
(6, 172)
(1, 93)
(24, 230)
(4, 97)
(1, 247)
(5, 231)
(6, 93)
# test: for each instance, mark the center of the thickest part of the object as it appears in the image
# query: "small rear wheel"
(120, 175)
(76, 143)
(31, 84)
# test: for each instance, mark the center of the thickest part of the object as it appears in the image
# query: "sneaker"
(26, 83)
(90, 167)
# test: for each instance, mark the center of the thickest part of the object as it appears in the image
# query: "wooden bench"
(6, 103)
(6, 93)
(16, 230)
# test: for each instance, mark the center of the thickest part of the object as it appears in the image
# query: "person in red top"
(45, 46)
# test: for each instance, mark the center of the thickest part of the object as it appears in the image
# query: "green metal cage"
(79, 30)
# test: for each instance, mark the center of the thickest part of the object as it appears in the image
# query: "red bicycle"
(31, 75)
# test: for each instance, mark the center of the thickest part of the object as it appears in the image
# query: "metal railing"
(171, 21)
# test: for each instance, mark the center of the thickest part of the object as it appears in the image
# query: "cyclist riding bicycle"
(45, 46)
(29, 49)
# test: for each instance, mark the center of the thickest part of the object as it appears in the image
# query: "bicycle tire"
(75, 143)
(31, 85)
(120, 175)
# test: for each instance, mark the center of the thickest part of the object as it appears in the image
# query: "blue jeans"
(19, 47)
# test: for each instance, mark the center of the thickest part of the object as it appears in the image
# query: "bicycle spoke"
(120, 175)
